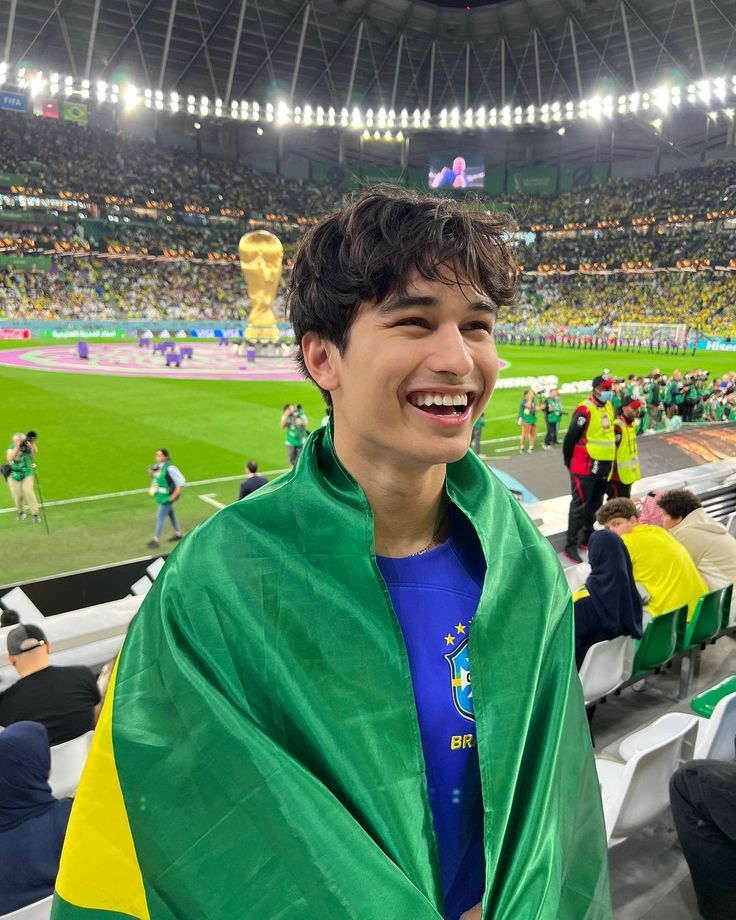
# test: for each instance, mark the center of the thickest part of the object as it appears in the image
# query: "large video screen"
(456, 172)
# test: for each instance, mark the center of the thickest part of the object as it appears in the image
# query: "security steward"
(589, 451)
(626, 470)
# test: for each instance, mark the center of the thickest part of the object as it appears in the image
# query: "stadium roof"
(393, 53)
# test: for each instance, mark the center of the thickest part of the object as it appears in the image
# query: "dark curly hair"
(678, 503)
(371, 247)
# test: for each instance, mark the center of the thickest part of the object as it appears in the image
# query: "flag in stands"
(48, 108)
(258, 754)
(75, 111)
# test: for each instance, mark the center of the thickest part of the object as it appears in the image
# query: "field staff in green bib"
(344, 697)
(20, 460)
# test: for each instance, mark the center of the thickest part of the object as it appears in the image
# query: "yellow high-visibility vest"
(627, 455)
(600, 438)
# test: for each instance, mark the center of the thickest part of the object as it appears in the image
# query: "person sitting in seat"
(711, 546)
(65, 700)
(9, 618)
(661, 565)
(32, 822)
(703, 800)
(608, 605)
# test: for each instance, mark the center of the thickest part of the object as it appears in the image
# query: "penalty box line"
(126, 492)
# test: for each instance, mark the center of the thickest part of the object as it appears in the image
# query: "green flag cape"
(259, 756)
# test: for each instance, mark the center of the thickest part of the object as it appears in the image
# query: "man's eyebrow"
(482, 304)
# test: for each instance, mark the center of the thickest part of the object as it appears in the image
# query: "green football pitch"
(98, 435)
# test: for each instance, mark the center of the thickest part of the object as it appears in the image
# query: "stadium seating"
(636, 790)
(605, 667)
(67, 763)
(40, 910)
(659, 643)
(704, 704)
(705, 621)
(716, 735)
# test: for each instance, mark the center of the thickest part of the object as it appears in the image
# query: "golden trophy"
(261, 258)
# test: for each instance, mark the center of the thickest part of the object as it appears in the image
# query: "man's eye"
(482, 327)
(413, 321)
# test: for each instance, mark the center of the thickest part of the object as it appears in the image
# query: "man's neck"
(406, 504)
(32, 668)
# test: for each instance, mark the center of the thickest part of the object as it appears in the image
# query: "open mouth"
(446, 404)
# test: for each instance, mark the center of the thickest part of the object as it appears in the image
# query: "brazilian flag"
(75, 111)
(258, 755)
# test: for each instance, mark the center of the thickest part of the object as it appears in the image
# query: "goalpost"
(655, 332)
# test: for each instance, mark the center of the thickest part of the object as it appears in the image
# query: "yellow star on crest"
(449, 639)
(460, 629)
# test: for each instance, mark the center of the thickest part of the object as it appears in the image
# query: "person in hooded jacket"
(32, 822)
(609, 604)
(711, 546)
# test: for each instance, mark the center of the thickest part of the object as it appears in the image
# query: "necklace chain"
(428, 547)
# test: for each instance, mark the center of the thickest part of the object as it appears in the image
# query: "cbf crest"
(462, 692)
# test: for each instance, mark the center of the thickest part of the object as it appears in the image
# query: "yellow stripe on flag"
(99, 868)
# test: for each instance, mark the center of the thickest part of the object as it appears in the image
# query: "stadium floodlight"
(719, 88)
(283, 116)
(376, 135)
(130, 96)
(404, 118)
(388, 136)
(704, 91)
(356, 118)
(455, 117)
(344, 118)
(307, 116)
(36, 83)
(530, 114)
(85, 89)
(101, 91)
(492, 116)
(443, 118)
(382, 118)
(506, 116)
(366, 135)
(468, 118)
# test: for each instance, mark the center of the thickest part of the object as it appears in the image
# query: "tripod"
(41, 505)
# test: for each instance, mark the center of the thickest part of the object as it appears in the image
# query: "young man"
(293, 730)
(553, 415)
(20, 456)
(661, 565)
(294, 421)
(711, 546)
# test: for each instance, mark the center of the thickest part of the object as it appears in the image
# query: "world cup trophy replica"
(261, 259)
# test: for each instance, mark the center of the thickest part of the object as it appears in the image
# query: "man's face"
(621, 525)
(669, 522)
(433, 344)
(630, 413)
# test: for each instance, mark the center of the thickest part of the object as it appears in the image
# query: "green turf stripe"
(63, 910)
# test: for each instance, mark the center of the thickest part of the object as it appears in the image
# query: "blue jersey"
(435, 596)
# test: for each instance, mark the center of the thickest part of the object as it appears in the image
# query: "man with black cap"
(64, 700)
(589, 451)
(626, 470)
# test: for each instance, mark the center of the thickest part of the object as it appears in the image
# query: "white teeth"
(438, 399)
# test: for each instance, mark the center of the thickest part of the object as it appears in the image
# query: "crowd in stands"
(91, 289)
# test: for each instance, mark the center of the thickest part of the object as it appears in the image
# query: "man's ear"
(322, 360)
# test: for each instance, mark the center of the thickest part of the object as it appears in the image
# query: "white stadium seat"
(141, 587)
(605, 667)
(154, 568)
(715, 739)
(39, 910)
(67, 762)
(634, 792)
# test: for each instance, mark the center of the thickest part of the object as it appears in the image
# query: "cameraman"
(20, 456)
(294, 421)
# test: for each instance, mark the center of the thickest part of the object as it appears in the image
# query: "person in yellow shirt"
(662, 566)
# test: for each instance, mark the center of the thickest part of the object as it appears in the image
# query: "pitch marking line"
(211, 500)
(124, 493)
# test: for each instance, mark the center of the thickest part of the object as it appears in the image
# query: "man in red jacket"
(589, 450)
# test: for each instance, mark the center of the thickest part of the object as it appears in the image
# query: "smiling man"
(403, 738)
